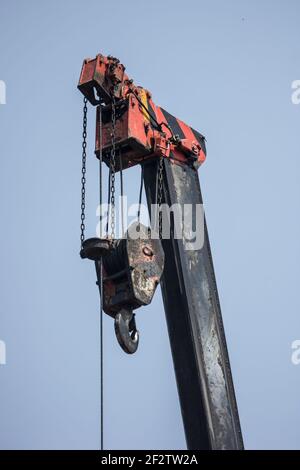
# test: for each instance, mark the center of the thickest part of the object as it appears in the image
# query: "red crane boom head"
(143, 130)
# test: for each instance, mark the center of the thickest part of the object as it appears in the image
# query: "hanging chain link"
(83, 169)
(160, 194)
(113, 165)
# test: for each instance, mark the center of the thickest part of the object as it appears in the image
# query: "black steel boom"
(195, 326)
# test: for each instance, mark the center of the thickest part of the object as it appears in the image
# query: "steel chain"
(159, 195)
(83, 170)
(113, 165)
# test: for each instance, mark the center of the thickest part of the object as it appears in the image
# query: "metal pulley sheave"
(131, 270)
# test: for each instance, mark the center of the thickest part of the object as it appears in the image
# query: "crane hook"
(126, 331)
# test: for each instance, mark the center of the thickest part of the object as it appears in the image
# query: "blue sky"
(226, 68)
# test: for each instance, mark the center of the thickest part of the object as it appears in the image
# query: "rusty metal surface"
(146, 261)
(132, 270)
(143, 129)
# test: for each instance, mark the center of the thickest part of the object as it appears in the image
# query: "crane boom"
(148, 135)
